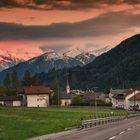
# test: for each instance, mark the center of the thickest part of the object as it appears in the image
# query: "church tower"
(67, 87)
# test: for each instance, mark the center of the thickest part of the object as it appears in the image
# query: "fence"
(87, 123)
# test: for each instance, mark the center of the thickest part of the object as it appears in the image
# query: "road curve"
(124, 130)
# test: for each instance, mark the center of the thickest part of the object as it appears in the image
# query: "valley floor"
(25, 123)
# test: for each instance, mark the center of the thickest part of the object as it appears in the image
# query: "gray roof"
(120, 91)
(64, 95)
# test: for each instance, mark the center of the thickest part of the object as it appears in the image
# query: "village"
(39, 96)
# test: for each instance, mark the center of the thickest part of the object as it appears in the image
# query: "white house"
(133, 99)
(125, 98)
(10, 101)
(35, 96)
(118, 97)
(65, 100)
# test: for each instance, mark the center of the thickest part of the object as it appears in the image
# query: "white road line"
(122, 132)
(112, 138)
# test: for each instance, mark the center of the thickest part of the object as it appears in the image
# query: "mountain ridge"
(45, 63)
(117, 68)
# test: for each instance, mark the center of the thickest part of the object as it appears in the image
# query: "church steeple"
(67, 87)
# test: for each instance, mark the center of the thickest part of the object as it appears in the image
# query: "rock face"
(85, 58)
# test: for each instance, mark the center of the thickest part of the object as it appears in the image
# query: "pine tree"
(73, 81)
(7, 84)
(14, 80)
(7, 81)
(27, 80)
(55, 86)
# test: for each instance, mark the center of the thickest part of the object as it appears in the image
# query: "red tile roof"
(10, 98)
(136, 97)
(34, 90)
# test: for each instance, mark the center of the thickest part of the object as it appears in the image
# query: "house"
(125, 98)
(78, 92)
(132, 99)
(10, 101)
(104, 97)
(65, 99)
(88, 95)
(134, 102)
(118, 97)
(35, 96)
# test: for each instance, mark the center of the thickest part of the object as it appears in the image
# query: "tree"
(78, 101)
(27, 80)
(7, 81)
(14, 80)
(7, 84)
(55, 100)
(73, 81)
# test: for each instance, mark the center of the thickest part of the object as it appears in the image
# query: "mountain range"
(44, 63)
(8, 60)
(117, 68)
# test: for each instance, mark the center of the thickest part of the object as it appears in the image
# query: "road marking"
(112, 138)
(122, 132)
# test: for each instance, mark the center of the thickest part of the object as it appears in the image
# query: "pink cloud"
(24, 50)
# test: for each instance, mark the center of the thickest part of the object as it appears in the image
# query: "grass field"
(23, 123)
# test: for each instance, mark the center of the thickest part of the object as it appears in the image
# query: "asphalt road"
(124, 130)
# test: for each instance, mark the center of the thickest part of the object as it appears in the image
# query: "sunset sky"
(34, 26)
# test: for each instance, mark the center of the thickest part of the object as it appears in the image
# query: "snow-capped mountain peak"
(85, 57)
(99, 51)
(49, 60)
(51, 55)
(8, 60)
(73, 52)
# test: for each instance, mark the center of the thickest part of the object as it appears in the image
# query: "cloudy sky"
(34, 26)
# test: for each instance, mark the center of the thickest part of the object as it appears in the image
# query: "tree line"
(11, 82)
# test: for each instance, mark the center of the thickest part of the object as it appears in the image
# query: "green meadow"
(23, 123)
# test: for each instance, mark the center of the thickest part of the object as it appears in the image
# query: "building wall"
(8, 103)
(131, 104)
(65, 102)
(16, 103)
(118, 103)
(41, 100)
(127, 102)
(2, 102)
(107, 100)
